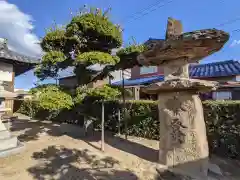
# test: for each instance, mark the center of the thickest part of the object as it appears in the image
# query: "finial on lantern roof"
(174, 28)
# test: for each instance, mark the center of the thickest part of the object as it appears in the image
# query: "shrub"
(54, 99)
(48, 103)
(223, 127)
(28, 107)
(85, 95)
(222, 121)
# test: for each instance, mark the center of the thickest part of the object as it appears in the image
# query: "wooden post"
(10, 103)
(124, 105)
(119, 121)
(103, 141)
(31, 109)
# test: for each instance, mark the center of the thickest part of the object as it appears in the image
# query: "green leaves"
(83, 93)
(54, 40)
(105, 93)
(53, 58)
(43, 72)
(96, 57)
(97, 29)
(88, 39)
(130, 50)
(128, 56)
(50, 65)
(53, 99)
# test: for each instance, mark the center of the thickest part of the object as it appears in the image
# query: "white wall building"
(117, 75)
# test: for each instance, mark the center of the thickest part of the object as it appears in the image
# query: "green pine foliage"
(106, 92)
(50, 65)
(54, 39)
(86, 40)
(97, 30)
(129, 50)
(96, 57)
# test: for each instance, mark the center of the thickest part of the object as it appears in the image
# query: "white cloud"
(235, 43)
(17, 27)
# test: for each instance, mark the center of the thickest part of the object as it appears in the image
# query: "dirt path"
(53, 153)
(49, 154)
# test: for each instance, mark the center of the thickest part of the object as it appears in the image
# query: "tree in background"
(87, 40)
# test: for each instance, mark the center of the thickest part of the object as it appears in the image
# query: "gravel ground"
(52, 154)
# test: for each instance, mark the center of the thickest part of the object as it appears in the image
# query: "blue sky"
(150, 23)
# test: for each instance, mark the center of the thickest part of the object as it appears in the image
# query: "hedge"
(222, 120)
(223, 127)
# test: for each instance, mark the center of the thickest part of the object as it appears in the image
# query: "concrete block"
(7, 152)
(8, 143)
(4, 134)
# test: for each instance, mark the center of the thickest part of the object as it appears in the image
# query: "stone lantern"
(8, 143)
(183, 143)
(12, 64)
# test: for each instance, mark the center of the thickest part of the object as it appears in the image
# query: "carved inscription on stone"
(178, 113)
(180, 119)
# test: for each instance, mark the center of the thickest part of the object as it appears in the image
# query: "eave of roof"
(14, 56)
(20, 62)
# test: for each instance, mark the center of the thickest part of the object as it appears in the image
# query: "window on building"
(148, 69)
(222, 95)
(238, 78)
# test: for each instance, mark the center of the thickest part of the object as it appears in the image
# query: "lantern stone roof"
(20, 62)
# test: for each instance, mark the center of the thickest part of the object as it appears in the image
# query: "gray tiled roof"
(217, 69)
(6, 53)
(210, 70)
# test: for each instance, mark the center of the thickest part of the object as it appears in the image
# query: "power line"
(152, 10)
(157, 5)
(229, 22)
(144, 9)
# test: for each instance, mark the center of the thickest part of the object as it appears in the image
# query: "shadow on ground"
(122, 144)
(60, 163)
(33, 129)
